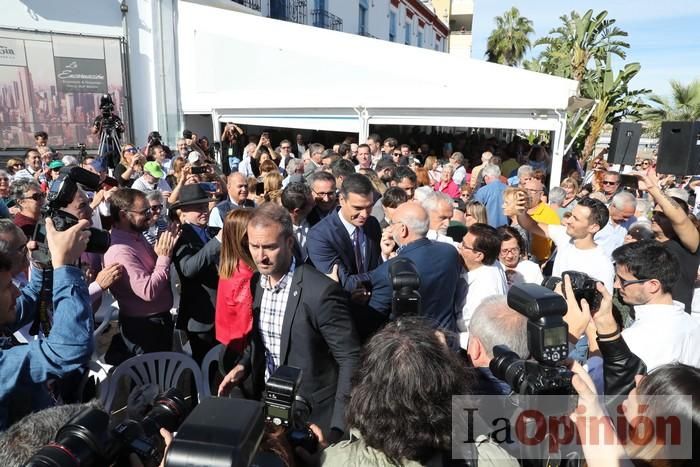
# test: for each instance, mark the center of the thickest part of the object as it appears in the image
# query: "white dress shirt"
(664, 334)
(481, 283)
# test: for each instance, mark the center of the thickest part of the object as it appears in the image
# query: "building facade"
(459, 16)
(409, 22)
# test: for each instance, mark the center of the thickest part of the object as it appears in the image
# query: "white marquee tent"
(259, 71)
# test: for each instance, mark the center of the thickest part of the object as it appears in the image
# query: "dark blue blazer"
(329, 243)
(438, 267)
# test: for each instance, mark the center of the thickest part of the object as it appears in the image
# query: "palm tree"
(615, 100)
(683, 104)
(585, 38)
(510, 40)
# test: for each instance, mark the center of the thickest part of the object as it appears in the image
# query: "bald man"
(437, 265)
(237, 187)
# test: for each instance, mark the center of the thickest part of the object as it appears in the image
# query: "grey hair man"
(436, 263)
(495, 323)
(439, 208)
(622, 215)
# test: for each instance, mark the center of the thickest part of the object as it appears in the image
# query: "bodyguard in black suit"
(349, 238)
(301, 319)
(196, 258)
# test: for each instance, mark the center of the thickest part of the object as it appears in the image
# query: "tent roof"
(241, 61)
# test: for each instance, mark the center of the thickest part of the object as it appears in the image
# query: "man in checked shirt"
(301, 319)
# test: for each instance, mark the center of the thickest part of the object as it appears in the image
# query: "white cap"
(193, 157)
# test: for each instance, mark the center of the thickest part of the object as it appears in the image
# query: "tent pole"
(364, 124)
(558, 150)
(216, 134)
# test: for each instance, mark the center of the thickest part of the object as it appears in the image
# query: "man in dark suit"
(301, 319)
(196, 257)
(350, 237)
(437, 265)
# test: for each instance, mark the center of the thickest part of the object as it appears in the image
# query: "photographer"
(495, 323)
(414, 396)
(25, 369)
(130, 165)
(620, 365)
(231, 148)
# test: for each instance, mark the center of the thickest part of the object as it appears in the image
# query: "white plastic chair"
(209, 359)
(164, 369)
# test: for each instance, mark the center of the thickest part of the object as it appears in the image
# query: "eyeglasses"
(131, 150)
(465, 247)
(511, 251)
(141, 212)
(35, 196)
(608, 182)
(156, 207)
(624, 283)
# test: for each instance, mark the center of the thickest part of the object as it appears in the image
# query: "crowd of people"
(283, 252)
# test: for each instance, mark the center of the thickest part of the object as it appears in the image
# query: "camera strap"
(42, 320)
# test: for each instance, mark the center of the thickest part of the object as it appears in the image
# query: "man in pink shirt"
(143, 291)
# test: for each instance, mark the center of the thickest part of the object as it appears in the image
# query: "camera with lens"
(86, 440)
(285, 407)
(583, 286)
(154, 139)
(106, 106)
(547, 340)
(61, 194)
(405, 282)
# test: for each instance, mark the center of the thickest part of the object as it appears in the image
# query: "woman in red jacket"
(234, 298)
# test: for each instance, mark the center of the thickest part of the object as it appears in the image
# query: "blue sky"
(664, 36)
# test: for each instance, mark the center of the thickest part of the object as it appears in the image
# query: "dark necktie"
(357, 246)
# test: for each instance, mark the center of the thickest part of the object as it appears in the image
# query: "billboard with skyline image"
(53, 83)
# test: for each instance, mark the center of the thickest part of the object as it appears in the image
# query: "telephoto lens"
(507, 366)
(81, 442)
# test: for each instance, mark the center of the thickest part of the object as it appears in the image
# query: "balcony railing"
(326, 20)
(252, 4)
(289, 10)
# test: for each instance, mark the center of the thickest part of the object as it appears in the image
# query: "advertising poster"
(53, 83)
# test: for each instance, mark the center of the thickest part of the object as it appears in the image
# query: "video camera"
(406, 299)
(209, 437)
(106, 106)
(61, 194)
(583, 285)
(86, 439)
(547, 340)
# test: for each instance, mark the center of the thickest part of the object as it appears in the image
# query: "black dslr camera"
(547, 340)
(284, 407)
(406, 299)
(583, 285)
(154, 139)
(61, 194)
(86, 439)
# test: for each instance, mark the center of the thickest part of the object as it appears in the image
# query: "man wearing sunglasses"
(611, 184)
(143, 290)
(645, 275)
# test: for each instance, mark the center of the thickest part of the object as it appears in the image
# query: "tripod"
(109, 147)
